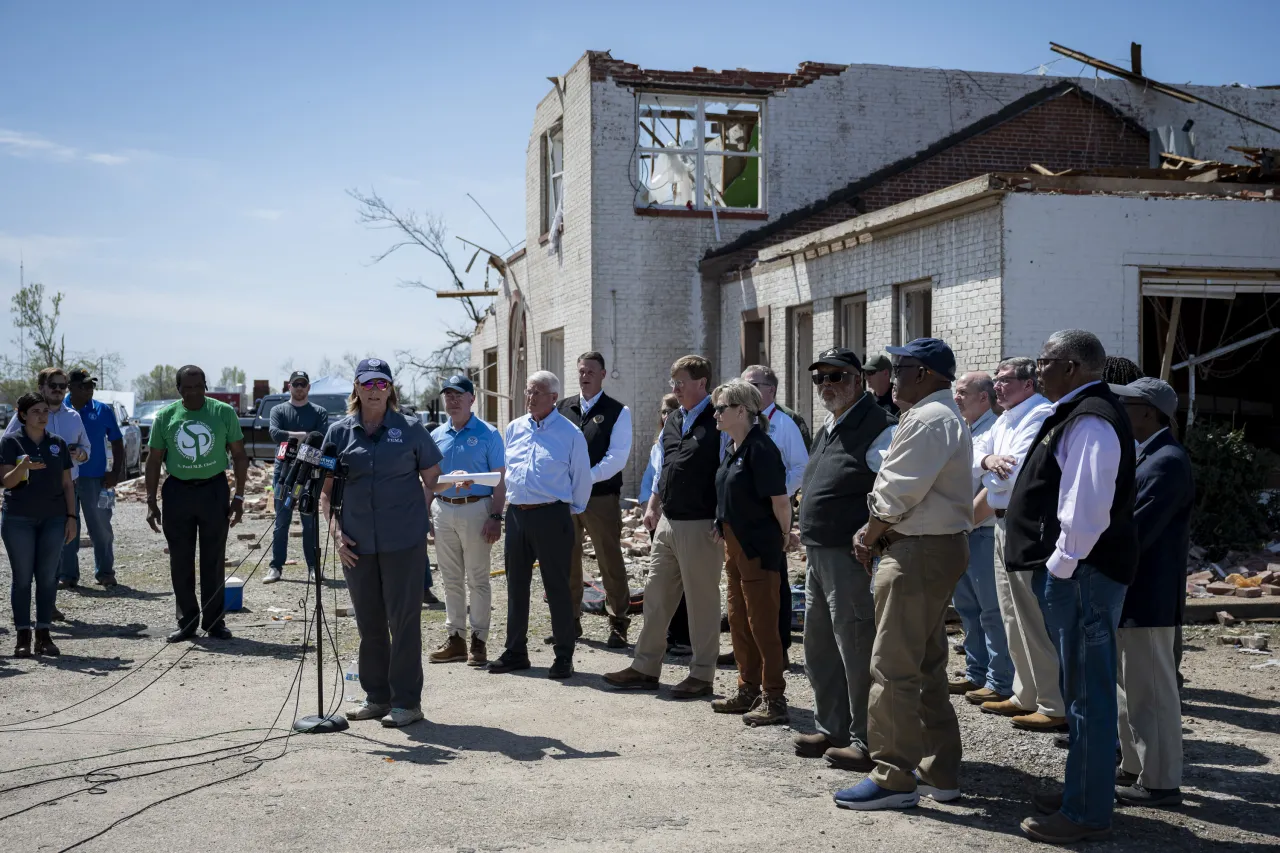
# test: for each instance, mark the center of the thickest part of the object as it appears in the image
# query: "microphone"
(310, 490)
(308, 459)
(288, 451)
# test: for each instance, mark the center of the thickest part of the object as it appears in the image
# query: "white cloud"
(17, 143)
(265, 214)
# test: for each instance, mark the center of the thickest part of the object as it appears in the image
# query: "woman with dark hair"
(381, 535)
(38, 518)
(753, 515)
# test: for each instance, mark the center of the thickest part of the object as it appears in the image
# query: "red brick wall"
(1068, 132)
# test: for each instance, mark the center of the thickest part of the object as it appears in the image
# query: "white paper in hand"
(484, 478)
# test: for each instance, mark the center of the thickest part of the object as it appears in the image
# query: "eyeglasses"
(763, 384)
(831, 378)
(676, 384)
(1041, 363)
(719, 410)
(57, 386)
(380, 384)
(301, 384)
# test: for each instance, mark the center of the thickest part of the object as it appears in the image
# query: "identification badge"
(599, 419)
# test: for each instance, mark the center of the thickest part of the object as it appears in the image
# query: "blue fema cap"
(458, 382)
(373, 368)
(932, 353)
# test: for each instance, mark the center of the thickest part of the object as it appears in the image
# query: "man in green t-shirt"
(193, 438)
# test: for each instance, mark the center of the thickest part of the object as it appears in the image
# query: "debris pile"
(1251, 579)
(257, 489)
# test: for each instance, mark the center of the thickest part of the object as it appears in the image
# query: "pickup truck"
(256, 427)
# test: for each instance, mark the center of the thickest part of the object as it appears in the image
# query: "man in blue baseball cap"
(921, 511)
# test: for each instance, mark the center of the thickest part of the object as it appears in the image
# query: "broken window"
(915, 312)
(553, 354)
(852, 329)
(699, 153)
(552, 177)
(799, 357)
(489, 384)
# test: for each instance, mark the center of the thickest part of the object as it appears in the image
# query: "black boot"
(44, 644)
(23, 648)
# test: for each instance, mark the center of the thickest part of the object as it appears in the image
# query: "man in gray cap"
(877, 371)
(1149, 709)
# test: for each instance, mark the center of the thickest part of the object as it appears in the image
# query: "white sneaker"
(367, 711)
(938, 795)
(398, 717)
(273, 575)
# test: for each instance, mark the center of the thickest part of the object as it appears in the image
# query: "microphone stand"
(320, 722)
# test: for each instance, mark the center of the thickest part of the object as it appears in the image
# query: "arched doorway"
(518, 352)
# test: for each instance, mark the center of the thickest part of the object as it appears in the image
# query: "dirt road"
(513, 761)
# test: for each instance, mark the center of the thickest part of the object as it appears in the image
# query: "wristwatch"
(495, 516)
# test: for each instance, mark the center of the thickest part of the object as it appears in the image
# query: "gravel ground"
(515, 762)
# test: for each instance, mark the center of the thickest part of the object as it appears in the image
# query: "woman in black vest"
(37, 520)
(753, 515)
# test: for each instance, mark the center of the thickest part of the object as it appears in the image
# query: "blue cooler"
(233, 594)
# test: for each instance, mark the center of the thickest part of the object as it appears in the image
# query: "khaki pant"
(911, 723)
(1035, 660)
(1150, 719)
(602, 521)
(753, 619)
(685, 560)
(462, 558)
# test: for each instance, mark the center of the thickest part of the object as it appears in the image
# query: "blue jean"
(98, 520)
(986, 650)
(280, 539)
(1082, 616)
(34, 546)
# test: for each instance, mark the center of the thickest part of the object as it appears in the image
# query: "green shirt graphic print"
(195, 443)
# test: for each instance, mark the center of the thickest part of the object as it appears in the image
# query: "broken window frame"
(553, 353)
(851, 323)
(552, 180)
(701, 155)
(908, 298)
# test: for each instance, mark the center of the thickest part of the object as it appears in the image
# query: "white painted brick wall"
(629, 285)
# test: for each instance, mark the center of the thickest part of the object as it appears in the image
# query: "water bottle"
(106, 499)
(351, 682)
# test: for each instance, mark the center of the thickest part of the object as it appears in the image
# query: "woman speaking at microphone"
(381, 538)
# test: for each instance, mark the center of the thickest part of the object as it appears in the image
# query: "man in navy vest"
(606, 424)
(686, 558)
(1149, 708)
(1071, 513)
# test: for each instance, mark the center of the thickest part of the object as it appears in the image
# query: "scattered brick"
(1249, 592)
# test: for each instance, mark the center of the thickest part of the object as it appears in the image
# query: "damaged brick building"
(669, 212)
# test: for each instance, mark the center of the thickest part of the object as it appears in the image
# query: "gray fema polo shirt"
(384, 509)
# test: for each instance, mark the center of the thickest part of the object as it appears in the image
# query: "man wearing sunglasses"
(297, 418)
(839, 618)
(66, 423)
(921, 511)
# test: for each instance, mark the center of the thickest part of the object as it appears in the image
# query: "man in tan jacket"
(921, 513)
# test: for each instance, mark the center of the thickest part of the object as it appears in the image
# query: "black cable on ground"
(5, 727)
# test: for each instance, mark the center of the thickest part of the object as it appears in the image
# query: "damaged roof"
(605, 67)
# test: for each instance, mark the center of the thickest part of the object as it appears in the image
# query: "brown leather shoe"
(1057, 828)
(739, 703)
(451, 650)
(768, 711)
(984, 694)
(478, 656)
(852, 757)
(812, 745)
(1007, 708)
(1047, 803)
(1037, 722)
(631, 679)
(964, 685)
(691, 688)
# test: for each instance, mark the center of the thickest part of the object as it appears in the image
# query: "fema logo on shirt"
(394, 434)
(472, 441)
(55, 449)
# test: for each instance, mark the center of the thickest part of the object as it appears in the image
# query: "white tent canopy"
(331, 385)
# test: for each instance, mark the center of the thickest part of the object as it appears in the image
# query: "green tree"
(160, 384)
(231, 376)
(40, 325)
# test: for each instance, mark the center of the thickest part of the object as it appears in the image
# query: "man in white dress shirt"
(1036, 703)
(795, 455)
(606, 424)
(1071, 513)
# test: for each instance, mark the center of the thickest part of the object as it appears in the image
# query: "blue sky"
(179, 170)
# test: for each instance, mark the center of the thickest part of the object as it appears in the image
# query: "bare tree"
(425, 231)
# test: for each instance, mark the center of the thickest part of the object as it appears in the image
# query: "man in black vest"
(840, 615)
(1071, 513)
(1150, 711)
(606, 424)
(685, 559)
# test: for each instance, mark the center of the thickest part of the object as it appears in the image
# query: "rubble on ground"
(1239, 574)
(257, 490)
